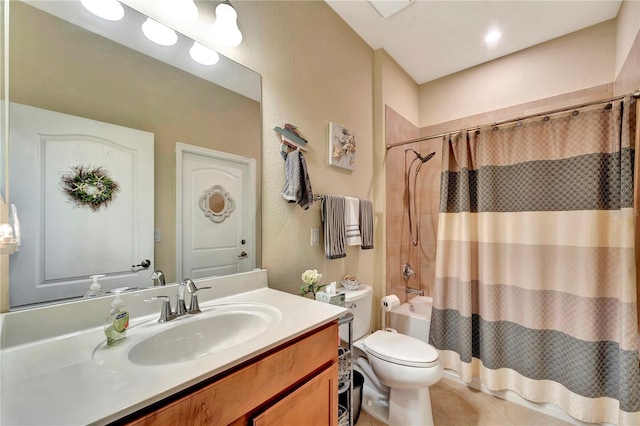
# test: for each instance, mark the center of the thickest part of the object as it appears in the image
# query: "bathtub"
(413, 318)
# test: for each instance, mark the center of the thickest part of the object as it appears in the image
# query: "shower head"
(423, 159)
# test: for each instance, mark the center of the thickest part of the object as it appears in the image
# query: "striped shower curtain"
(535, 267)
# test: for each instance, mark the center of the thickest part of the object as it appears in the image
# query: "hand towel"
(334, 232)
(352, 221)
(366, 224)
(297, 187)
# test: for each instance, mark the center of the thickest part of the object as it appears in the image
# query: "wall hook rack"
(289, 139)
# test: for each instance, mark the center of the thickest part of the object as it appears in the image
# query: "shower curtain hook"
(495, 127)
(477, 130)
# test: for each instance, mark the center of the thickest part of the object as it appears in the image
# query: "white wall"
(576, 61)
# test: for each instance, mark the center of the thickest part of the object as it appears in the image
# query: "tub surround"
(49, 375)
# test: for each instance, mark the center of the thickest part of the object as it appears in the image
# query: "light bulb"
(158, 33)
(225, 30)
(110, 10)
(184, 11)
(203, 55)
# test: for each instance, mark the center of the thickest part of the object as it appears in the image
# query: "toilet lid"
(401, 349)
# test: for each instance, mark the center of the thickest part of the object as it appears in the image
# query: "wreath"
(91, 187)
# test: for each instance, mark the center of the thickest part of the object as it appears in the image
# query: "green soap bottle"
(115, 327)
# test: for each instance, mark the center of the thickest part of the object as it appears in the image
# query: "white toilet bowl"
(408, 366)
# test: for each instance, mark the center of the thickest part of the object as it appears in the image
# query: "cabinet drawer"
(242, 391)
(314, 403)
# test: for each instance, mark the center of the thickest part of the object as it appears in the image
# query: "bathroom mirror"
(102, 75)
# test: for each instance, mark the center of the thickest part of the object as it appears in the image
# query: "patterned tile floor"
(454, 404)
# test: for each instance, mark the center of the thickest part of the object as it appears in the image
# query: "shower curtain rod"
(635, 95)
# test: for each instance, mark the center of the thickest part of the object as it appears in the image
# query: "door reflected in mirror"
(75, 72)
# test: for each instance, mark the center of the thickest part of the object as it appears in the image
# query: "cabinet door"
(314, 403)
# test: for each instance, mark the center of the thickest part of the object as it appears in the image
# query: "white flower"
(311, 276)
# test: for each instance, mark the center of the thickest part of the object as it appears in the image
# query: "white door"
(209, 244)
(63, 242)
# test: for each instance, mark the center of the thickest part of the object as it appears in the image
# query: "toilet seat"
(401, 349)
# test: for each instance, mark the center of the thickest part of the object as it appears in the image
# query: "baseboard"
(548, 409)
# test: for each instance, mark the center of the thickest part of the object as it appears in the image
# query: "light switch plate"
(315, 236)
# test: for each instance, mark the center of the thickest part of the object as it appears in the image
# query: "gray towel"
(334, 227)
(297, 188)
(366, 224)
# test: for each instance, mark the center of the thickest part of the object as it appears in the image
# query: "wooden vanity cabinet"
(294, 384)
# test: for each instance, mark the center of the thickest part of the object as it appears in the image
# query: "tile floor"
(455, 404)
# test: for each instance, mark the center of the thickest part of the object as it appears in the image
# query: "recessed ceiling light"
(492, 36)
(158, 33)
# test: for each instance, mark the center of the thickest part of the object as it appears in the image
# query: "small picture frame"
(342, 147)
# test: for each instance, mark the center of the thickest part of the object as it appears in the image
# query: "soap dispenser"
(115, 327)
(94, 290)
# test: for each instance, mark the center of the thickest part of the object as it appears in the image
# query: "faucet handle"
(165, 312)
(191, 286)
(194, 307)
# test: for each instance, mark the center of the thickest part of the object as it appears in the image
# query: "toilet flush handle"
(351, 306)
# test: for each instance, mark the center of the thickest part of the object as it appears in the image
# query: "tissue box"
(333, 299)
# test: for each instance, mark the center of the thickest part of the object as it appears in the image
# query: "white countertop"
(56, 381)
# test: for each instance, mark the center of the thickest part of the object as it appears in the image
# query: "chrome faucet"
(194, 307)
(158, 278)
(181, 309)
(412, 290)
(166, 314)
(407, 272)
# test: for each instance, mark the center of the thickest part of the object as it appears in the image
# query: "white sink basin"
(217, 329)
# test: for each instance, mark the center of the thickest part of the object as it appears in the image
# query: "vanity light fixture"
(203, 55)
(225, 30)
(158, 33)
(110, 10)
(184, 11)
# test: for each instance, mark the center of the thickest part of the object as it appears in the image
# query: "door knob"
(243, 255)
(145, 264)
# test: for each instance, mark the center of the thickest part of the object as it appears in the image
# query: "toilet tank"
(360, 302)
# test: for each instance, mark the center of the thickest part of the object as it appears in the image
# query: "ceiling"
(430, 39)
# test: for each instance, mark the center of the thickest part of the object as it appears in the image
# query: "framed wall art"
(342, 147)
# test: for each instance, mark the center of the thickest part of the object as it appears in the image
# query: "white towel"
(352, 221)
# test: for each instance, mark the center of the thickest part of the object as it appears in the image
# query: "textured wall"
(314, 69)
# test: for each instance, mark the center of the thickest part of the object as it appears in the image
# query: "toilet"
(398, 369)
